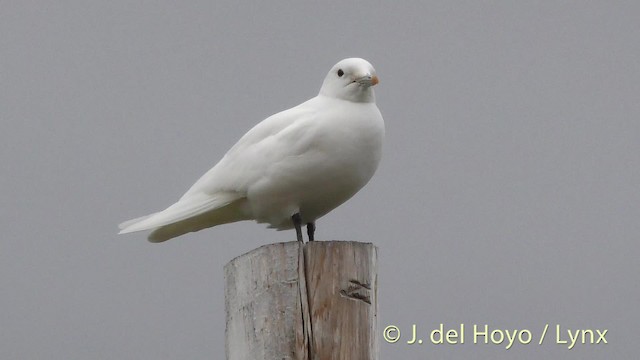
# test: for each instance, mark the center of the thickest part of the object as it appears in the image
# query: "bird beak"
(367, 80)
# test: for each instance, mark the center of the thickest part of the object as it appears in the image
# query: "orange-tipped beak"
(374, 80)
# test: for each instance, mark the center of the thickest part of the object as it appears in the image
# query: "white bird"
(290, 169)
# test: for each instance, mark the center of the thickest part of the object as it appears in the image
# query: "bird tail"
(125, 224)
(189, 214)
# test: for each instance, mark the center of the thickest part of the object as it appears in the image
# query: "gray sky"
(508, 195)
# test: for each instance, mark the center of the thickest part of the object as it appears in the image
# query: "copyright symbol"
(391, 334)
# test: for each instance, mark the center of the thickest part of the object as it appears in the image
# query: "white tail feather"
(187, 207)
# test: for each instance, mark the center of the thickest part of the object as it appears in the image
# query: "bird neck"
(362, 95)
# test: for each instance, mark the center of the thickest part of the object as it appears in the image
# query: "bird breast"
(339, 150)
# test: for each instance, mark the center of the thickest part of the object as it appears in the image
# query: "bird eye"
(340, 72)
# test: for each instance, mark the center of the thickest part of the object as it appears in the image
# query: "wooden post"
(313, 301)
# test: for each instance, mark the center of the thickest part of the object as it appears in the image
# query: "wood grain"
(314, 301)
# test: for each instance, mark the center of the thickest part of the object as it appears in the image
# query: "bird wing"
(281, 136)
(218, 196)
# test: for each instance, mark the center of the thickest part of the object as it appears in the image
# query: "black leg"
(311, 229)
(297, 222)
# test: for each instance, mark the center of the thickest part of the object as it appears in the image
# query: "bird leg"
(311, 228)
(297, 223)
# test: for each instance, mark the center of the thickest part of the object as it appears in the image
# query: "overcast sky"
(508, 194)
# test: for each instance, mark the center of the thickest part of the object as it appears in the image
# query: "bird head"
(350, 79)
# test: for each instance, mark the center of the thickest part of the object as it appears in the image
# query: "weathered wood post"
(313, 301)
